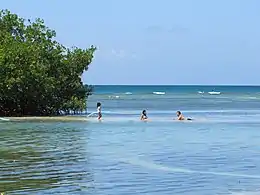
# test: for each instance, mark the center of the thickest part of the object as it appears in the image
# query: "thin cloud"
(117, 54)
(178, 29)
(155, 29)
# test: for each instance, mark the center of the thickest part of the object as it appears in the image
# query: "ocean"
(233, 102)
(216, 153)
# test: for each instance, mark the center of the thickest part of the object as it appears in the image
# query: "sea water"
(216, 153)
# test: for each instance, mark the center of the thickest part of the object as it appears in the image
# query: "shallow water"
(217, 153)
(126, 157)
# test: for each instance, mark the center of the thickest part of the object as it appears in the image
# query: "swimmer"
(180, 116)
(99, 111)
(144, 115)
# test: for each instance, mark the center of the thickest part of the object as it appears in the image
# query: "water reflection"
(44, 156)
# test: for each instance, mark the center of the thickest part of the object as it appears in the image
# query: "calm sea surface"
(217, 153)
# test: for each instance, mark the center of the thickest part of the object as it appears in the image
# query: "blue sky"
(158, 42)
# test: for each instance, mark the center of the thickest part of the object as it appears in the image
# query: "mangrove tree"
(38, 75)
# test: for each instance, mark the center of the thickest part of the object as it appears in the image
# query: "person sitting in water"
(180, 116)
(144, 115)
(99, 110)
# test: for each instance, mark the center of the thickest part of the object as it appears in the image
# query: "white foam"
(214, 92)
(154, 166)
(113, 96)
(95, 113)
(4, 119)
(159, 92)
(91, 114)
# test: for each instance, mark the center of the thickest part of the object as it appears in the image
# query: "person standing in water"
(99, 110)
(180, 116)
(144, 115)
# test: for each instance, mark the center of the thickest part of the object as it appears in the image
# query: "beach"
(216, 153)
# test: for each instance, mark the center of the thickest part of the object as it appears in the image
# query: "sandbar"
(47, 118)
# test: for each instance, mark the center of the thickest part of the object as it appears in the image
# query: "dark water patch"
(44, 156)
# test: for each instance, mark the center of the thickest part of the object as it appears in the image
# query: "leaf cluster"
(38, 75)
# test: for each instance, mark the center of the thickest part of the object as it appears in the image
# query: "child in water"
(180, 116)
(144, 115)
(99, 110)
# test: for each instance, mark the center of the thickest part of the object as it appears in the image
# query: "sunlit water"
(217, 153)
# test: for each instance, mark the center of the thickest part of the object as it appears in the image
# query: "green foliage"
(38, 75)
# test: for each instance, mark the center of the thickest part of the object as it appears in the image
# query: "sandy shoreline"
(46, 118)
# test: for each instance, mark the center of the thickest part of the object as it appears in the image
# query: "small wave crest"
(113, 96)
(214, 92)
(159, 92)
(210, 92)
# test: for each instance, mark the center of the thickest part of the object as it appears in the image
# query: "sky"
(173, 42)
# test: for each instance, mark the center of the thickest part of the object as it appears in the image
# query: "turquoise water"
(217, 153)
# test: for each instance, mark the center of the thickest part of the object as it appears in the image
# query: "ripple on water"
(122, 158)
(41, 157)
